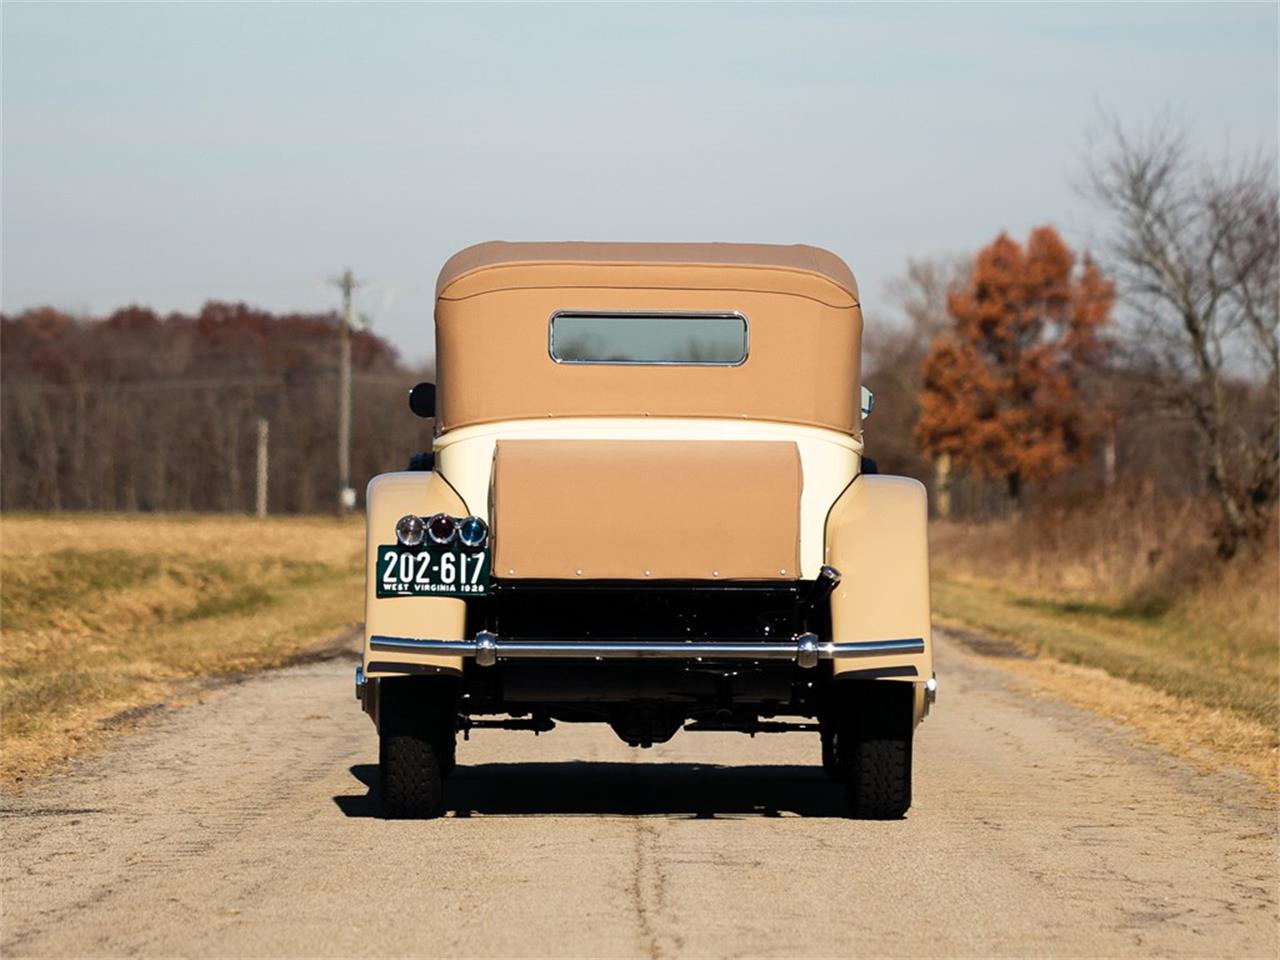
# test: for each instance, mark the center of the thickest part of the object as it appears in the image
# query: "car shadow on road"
(697, 790)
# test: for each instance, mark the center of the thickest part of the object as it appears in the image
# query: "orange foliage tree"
(1002, 390)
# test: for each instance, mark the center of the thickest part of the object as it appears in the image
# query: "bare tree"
(921, 293)
(1195, 247)
(895, 355)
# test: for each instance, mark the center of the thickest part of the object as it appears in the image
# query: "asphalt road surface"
(246, 825)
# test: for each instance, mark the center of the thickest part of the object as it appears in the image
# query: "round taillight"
(442, 528)
(473, 532)
(410, 530)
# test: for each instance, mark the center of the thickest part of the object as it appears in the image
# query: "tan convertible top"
(496, 265)
(495, 300)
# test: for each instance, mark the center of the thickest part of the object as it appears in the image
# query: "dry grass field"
(1131, 589)
(104, 616)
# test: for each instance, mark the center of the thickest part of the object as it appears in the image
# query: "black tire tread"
(411, 775)
(879, 784)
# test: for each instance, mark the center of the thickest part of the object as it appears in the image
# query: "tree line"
(1157, 362)
(138, 411)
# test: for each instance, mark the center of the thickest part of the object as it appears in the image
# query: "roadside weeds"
(1213, 738)
(1118, 610)
(103, 632)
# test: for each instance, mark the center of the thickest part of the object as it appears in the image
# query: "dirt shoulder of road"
(108, 619)
(1215, 739)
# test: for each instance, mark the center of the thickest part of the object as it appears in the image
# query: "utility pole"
(347, 283)
(263, 435)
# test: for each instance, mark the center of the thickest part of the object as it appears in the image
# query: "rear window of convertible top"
(706, 339)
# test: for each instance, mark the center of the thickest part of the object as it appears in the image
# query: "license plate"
(432, 571)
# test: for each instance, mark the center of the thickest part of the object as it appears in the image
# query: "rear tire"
(417, 740)
(878, 784)
(872, 723)
(411, 772)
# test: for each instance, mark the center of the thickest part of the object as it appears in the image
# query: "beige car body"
(503, 398)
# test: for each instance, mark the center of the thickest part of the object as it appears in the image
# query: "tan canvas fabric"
(505, 264)
(646, 510)
(804, 328)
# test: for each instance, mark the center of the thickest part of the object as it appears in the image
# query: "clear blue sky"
(168, 154)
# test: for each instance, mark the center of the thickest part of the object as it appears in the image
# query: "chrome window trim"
(673, 314)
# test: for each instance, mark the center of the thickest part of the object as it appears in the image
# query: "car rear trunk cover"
(646, 510)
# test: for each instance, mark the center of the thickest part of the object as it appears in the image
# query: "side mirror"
(422, 399)
(868, 402)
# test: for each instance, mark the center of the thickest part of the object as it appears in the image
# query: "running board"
(805, 649)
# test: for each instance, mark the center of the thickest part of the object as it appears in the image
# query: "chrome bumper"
(805, 650)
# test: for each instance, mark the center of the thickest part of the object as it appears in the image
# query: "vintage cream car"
(646, 505)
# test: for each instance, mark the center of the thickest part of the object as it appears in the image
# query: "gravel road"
(245, 826)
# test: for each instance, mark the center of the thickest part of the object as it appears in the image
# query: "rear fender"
(877, 537)
(390, 496)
